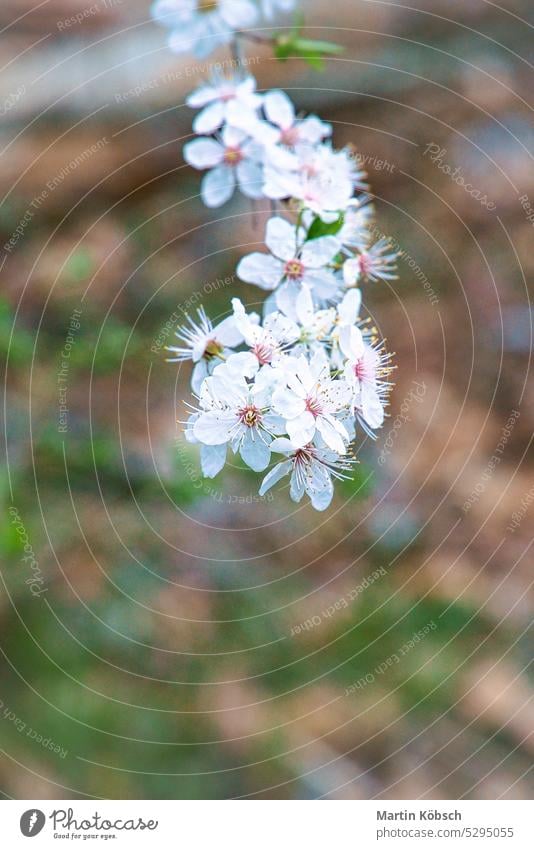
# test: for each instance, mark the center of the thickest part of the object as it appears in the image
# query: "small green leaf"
(292, 44)
(320, 228)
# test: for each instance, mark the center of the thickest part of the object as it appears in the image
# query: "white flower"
(310, 400)
(292, 262)
(322, 178)
(363, 372)
(311, 468)
(205, 344)
(199, 26)
(236, 412)
(235, 160)
(268, 342)
(376, 263)
(217, 98)
(269, 7)
(281, 112)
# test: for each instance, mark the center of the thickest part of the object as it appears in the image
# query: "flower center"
(206, 6)
(290, 136)
(360, 370)
(294, 269)
(365, 263)
(263, 352)
(213, 349)
(313, 406)
(233, 156)
(250, 416)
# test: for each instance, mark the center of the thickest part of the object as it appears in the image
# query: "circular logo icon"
(32, 822)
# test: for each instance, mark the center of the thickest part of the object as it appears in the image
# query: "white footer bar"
(268, 824)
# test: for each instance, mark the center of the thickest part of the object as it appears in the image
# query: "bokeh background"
(165, 637)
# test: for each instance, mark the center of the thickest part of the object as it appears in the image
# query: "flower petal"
(351, 342)
(212, 459)
(218, 186)
(255, 452)
(281, 238)
(279, 109)
(330, 435)
(276, 474)
(210, 119)
(214, 427)
(287, 404)
(250, 178)
(262, 270)
(238, 14)
(302, 429)
(349, 308)
(203, 153)
(319, 252)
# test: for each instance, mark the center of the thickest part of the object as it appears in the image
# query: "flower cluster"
(288, 389)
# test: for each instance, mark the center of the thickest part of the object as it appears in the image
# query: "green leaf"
(293, 45)
(320, 228)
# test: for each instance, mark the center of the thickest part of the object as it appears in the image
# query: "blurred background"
(162, 636)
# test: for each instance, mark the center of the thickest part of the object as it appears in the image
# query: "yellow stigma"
(206, 5)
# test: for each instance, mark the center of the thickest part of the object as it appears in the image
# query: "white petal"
(313, 130)
(279, 109)
(227, 333)
(282, 445)
(281, 238)
(351, 342)
(336, 395)
(302, 429)
(212, 459)
(287, 404)
(351, 271)
(233, 137)
(214, 428)
(243, 364)
(203, 153)
(330, 435)
(349, 308)
(282, 328)
(238, 14)
(372, 409)
(218, 186)
(319, 252)
(321, 493)
(286, 299)
(210, 119)
(250, 178)
(323, 283)
(254, 452)
(260, 269)
(200, 373)
(202, 96)
(304, 306)
(274, 476)
(296, 489)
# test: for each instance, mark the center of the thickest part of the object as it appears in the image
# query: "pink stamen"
(294, 269)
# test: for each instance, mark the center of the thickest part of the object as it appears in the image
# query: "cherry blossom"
(199, 26)
(310, 400)
(292, 262)
(311, 468)
(233, 161)
(218, 98)
(205, 345)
